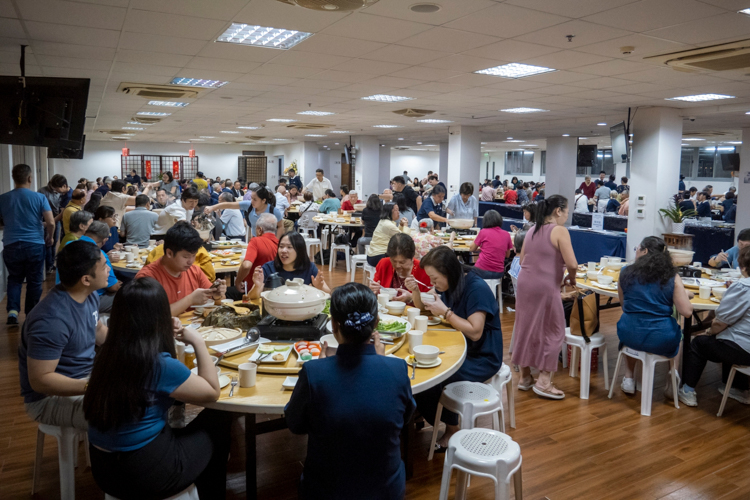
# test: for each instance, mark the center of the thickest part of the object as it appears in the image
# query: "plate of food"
(223, 379)
(271, 353)
(699, 282)
(388, 326)
(213, 335)
(223, 253)
(434, 320)
(612, 287)
(307, 351)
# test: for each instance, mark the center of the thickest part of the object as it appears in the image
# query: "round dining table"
(268, 396)
(342, 221)
(129, 271)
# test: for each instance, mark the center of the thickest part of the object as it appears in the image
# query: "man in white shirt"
(177, 211)
(234, 223)
(117, 199)
(319, 185)
(581, 202)
(282, 201)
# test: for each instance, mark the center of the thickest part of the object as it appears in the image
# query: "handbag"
(584, 304)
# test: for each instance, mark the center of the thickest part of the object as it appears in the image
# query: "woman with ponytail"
(649, 288)
(352, 406)
(540, 318)
(262, 201)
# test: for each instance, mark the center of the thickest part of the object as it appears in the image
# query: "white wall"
(417, 163)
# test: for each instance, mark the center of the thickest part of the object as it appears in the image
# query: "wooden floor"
(572, 449)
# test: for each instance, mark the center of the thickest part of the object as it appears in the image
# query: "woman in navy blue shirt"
(353, 407)
(469, 305)
(135, 380)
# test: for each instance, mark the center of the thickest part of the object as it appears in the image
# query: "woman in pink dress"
(540, 319)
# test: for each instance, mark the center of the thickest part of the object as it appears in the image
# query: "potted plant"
(677, 216)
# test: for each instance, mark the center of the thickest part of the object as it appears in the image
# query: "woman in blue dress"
(468, 304)
(648, 290)
(353, 407)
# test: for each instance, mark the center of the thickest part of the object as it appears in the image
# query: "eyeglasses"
(637, 248)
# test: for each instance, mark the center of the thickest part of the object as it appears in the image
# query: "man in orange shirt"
(184, 282)
(261, 249)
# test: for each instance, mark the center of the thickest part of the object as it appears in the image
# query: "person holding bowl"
(398, 267)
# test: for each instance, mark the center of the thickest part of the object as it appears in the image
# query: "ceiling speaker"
(331, 5)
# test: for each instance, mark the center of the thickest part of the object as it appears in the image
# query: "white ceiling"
(384, 49)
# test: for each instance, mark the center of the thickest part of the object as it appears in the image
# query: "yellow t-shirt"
(69, 210)
(202, 258)
(201, 183)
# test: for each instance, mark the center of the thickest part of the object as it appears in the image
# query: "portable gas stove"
(273, 328)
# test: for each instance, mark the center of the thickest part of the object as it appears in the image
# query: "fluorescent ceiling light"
(171, 104)
(133, 128)
(152, 113)
(566, 135)
(261, 36)
(400, 138)
(724, 149)
(279, 139)
(139, 123)
(207, 137)
(316, 113)
(386, 126)
(386, 98)
(524, 110)
(197, 139)
(280, 120)
(514, 140)
(514, 70)
(339, 132)
(198, 82)
(434, 120)
(745, 11)
(733, 142)
(700, 97)
(128, 134)
(748, 113)
(602, 124)
(431, 145)
(509, 138)
(184, 142)
(229, 132)
(263, 142)
(250, 128)
(532, 146)
(693, 139)
(314, 135)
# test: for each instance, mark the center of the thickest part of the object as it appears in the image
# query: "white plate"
(435, 363)
(269, 358)
(434, 321)
(387, 318)
(289, 382)
(714, 299)
(699, 282)
(223, 379)
(612, 287)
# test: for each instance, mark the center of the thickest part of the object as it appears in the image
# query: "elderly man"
(260, 250)
(319, 185)
(234, 224)
(76, 204)
(138, 224)
(162, 199)
(282, 198)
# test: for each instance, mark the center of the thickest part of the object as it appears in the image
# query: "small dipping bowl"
(603, 279)
(719, 292)
(426, 353)
(395, 307)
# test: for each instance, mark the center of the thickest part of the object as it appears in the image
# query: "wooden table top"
(698, 303)
(323, 220)
(216, 260)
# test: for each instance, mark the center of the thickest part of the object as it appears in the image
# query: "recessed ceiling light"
(152, 113)
(382, 145)
(700, 97)
(198, 82)
(514, 140)
(229, 132)
(197, 139)
(745, 11)
(386, 126)
(184, 142)
(335, 143)
(279, 139)
(419, 143)
(509, 138)
(733, 142)
(514, 70)
(693, 139)
(400, 138)
(434, 120)
(339, 132)
(386, 98)
(261, 36)
(566, 135)
(532, 146)
(602, 124)
(524, 110)
(171, 104)
(316, 113)
(139, 123)
(431, 145)
(482, 143)
(684, 144)
(128, 134)
(133, 128)
(748, 113)
(207, 137)
(250, 128)
(263, 142)
(315, 135)
(583, 137)
(281, 120)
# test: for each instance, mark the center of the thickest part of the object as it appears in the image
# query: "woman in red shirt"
(348, 203)
(400, 264)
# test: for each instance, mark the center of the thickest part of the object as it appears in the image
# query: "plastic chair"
(306, 224)
(470, 400)
(497, 289)
(332, 258)
(485, 453)
(647, 377)
(67, 455)
(597, 341)
(730, 379)
(190, 493)
(501, 379)
(310, 243)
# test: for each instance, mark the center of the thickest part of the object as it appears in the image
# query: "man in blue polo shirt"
(432, 207)
(29, 227)
(729, 258)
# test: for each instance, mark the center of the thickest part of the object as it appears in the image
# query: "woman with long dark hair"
(370, 218)
(135, 380)
(291, 262)
(391, 223)
(648, 290)
(93, 203)
(540, 318)
(334, 396)
(467, 303)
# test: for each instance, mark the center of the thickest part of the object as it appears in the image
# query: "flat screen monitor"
(619, 138)
(587, 155)
(67, 153)
(730, 162)
(47, 112)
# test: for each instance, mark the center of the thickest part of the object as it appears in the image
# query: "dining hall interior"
(540, 207)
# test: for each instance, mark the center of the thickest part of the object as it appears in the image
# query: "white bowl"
(592, 275)
(348, 212)
(389, 291)
(396, 308)
(425, 353)
(719, 292)
(734, 274)
(603, 279)
(614, 260)
(615, 265)
(333, 344)
(681, 257)
(427, 297)
(359, 206)
(461, 223)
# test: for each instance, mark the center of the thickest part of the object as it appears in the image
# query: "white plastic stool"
(597, 341)
(332, 256)
(501, 379)
(470, 400)
(67, 456)
(369, 273)
(190, 493)
(359, 260)
(728, 387)
(310, 243)
(497, 289)
(647, 378)
(485, 453)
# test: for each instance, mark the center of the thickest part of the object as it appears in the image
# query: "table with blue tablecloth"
(612, 222)
(590, 245)
(709, 240)
(510, 211)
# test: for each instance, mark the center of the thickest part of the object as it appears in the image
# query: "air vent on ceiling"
(724, 57)
(331, 5)
(113, 132)
(414, 113)
(146, 120)
(159, 91)
(713, 133)
(308, 126)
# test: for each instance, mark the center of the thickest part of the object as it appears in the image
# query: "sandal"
(525, 387)
(547, 392)
(439, 449)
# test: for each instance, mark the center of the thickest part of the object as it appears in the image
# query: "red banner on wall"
(176, 169)
(148, 169)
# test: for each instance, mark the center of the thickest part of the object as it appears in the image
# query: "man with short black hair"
(623, 186)
(138, 224)
(184, 282)
(54, 191)
(29, 228)
(611, 184)
(406, 177)
(413, 200)
(56, 353)
(730, 257)
(162, 199)
(433, 207)
(178, 211)
(98, 234)
(319, 185)
(134, 179)
(496, 182)
(294, 179)
(703, 207)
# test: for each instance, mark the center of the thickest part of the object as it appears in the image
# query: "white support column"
(443, 161)
(384, 170)
(367, 166)
(743, 186)
(464, 157)
(309, 161)
(536, 167)
(654, 171)
(562, 154)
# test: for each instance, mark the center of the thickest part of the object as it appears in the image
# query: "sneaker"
(738, 395)
(628, 385)
(688, 398)
(12, 320)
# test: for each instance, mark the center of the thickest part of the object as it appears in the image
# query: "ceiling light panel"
(281, 120)
(745, 11)
(314, 135)
(207, 137)
(316, 113)
(387, 98)
(198, 82)
(434, 120)
(339, 132)
(229, 132)
(152, 113)
(139, 123)
(385, 126)
(171, 104)
(514, 140)
(261, 36)
(693, 139)
(250, 128)
(515, 70)
(133, 128)
(524, 110)
(700, 97)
